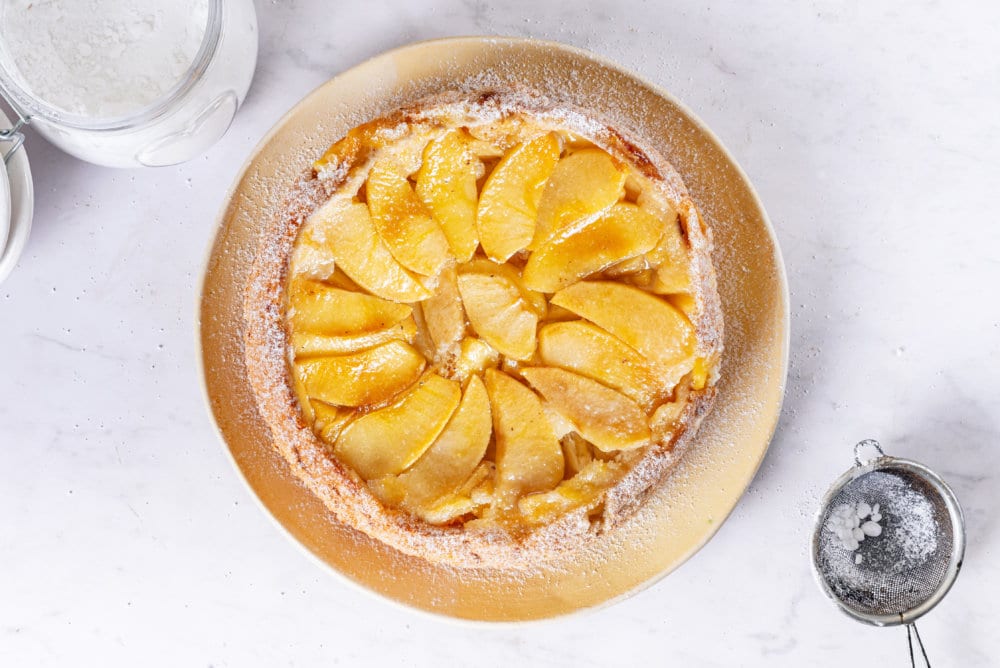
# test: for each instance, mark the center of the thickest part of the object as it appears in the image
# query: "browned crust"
(340, 488)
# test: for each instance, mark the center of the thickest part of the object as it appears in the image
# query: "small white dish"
(4, 204)
(21, 201)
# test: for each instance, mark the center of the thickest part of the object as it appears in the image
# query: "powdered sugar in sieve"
(889, 540)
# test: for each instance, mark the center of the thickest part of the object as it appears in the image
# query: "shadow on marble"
(955, 435)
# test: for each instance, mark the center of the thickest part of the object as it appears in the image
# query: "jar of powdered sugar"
(121, 83)
(128, 83)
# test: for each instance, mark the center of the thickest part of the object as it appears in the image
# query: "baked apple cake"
(484, 328)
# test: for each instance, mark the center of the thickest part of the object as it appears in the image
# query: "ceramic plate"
(701, 492)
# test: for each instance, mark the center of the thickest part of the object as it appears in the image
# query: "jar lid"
(17, 197)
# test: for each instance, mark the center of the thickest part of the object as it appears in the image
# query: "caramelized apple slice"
(508, 203)
(647, 323)
(577, 452)
(310, 257)
(670, 256)
(301, 395)
(499, 314)
(606, 418)
(322, 309)
(583, 184)
(361, 379)
(358, 250)
(528, 455)
(559, 314)
(413, 237)
(389, 440)
(624, 231)
(330, 420)
(456, 453)
(634, 268)
(447, 509)
(666, 418)
(357, 146)
(307, 344)
(533, 299)
(474, 495)
(443, 314)
(584, 490)
(446, 184)
(590, 351)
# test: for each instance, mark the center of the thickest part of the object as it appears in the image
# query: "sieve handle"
(920, 643)
(860, 444)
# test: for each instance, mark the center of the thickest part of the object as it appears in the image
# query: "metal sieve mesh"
(907, 569)
(901, 568)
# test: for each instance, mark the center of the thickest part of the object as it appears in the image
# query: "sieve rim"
(888, 463)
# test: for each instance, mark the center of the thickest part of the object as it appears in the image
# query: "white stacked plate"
(16, 204)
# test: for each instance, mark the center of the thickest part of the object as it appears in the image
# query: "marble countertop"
(871, 133)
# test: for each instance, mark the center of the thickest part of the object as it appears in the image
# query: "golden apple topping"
(489, 327)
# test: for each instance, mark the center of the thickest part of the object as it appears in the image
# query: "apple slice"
(559, 314)
(499, 314)
(404, 223)
(310, 257)
(369, 377)
(322, 309)
(307, 344)
(666, 418)
(301, 395)
(472, 496)
(358, 250)
(456, 453)
(606, 418)
(358, 145)
(389, 440)
(584, 490)
(577, 451)
(588, 350)
(508, 203)
(338, 279)
(535, 300)
(624, 231)
(447, 509)
(670, 257)
(634, 268)
(647, 323)
(582, 185)
(330, 420)
(528, 455)
(443, 314)
(446, 184)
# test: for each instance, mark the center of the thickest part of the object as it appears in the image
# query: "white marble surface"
(870, 130)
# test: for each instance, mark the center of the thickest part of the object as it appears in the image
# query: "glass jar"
(192, 116)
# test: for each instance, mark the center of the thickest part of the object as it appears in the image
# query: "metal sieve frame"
(887, 463)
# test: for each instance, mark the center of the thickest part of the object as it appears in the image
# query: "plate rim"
(6, 210)
(776, 255)
(22, 206)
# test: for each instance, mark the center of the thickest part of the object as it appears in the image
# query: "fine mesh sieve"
(897, 576)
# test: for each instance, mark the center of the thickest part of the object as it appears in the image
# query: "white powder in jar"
(101, 58)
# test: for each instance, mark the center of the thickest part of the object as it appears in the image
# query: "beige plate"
(712, 476)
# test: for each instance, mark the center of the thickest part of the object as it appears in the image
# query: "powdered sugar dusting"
(268, 194)
(344, 493)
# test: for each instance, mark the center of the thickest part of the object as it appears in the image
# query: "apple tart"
(484, 328)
